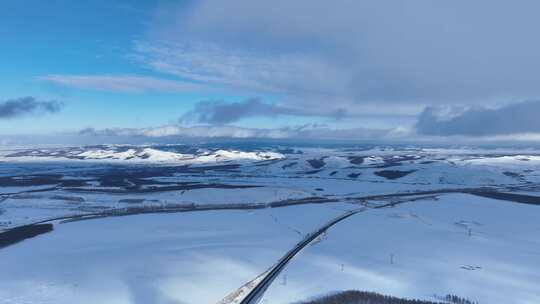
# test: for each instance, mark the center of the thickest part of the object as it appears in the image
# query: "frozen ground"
(228, 213)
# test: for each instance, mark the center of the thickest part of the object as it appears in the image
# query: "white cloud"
(124, 83)
(297, 132)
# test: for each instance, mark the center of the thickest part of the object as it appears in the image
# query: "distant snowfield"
(114, 153)
(483, 249)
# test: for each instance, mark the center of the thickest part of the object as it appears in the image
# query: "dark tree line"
(364, 297)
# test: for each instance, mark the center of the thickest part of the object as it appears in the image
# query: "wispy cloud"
(241, 69)
(124, 83)
(13, 108)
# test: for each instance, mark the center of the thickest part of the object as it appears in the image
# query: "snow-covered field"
(482, 249)
(169, 258)
(225, 214)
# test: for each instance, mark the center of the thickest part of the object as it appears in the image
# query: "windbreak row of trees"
(364, 297)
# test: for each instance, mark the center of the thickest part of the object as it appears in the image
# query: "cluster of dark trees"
(457, 300)
(364, 297)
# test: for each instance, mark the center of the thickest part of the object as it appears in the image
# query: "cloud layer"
(14, 108)
(477, 121)
(219, 112)
(353, 52)
(383, 60)
(304, 132)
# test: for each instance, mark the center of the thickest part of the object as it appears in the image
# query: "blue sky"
(75, 37)
(403, 67)
(81, 38)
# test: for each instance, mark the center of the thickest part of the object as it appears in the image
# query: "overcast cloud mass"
(419, 52)
(393, 56)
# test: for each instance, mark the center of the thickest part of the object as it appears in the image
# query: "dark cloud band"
(219, 112)
(14, 108)
(512, 119)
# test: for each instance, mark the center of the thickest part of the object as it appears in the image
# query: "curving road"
(256, 293)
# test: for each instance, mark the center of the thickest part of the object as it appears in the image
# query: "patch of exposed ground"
(393, 174)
